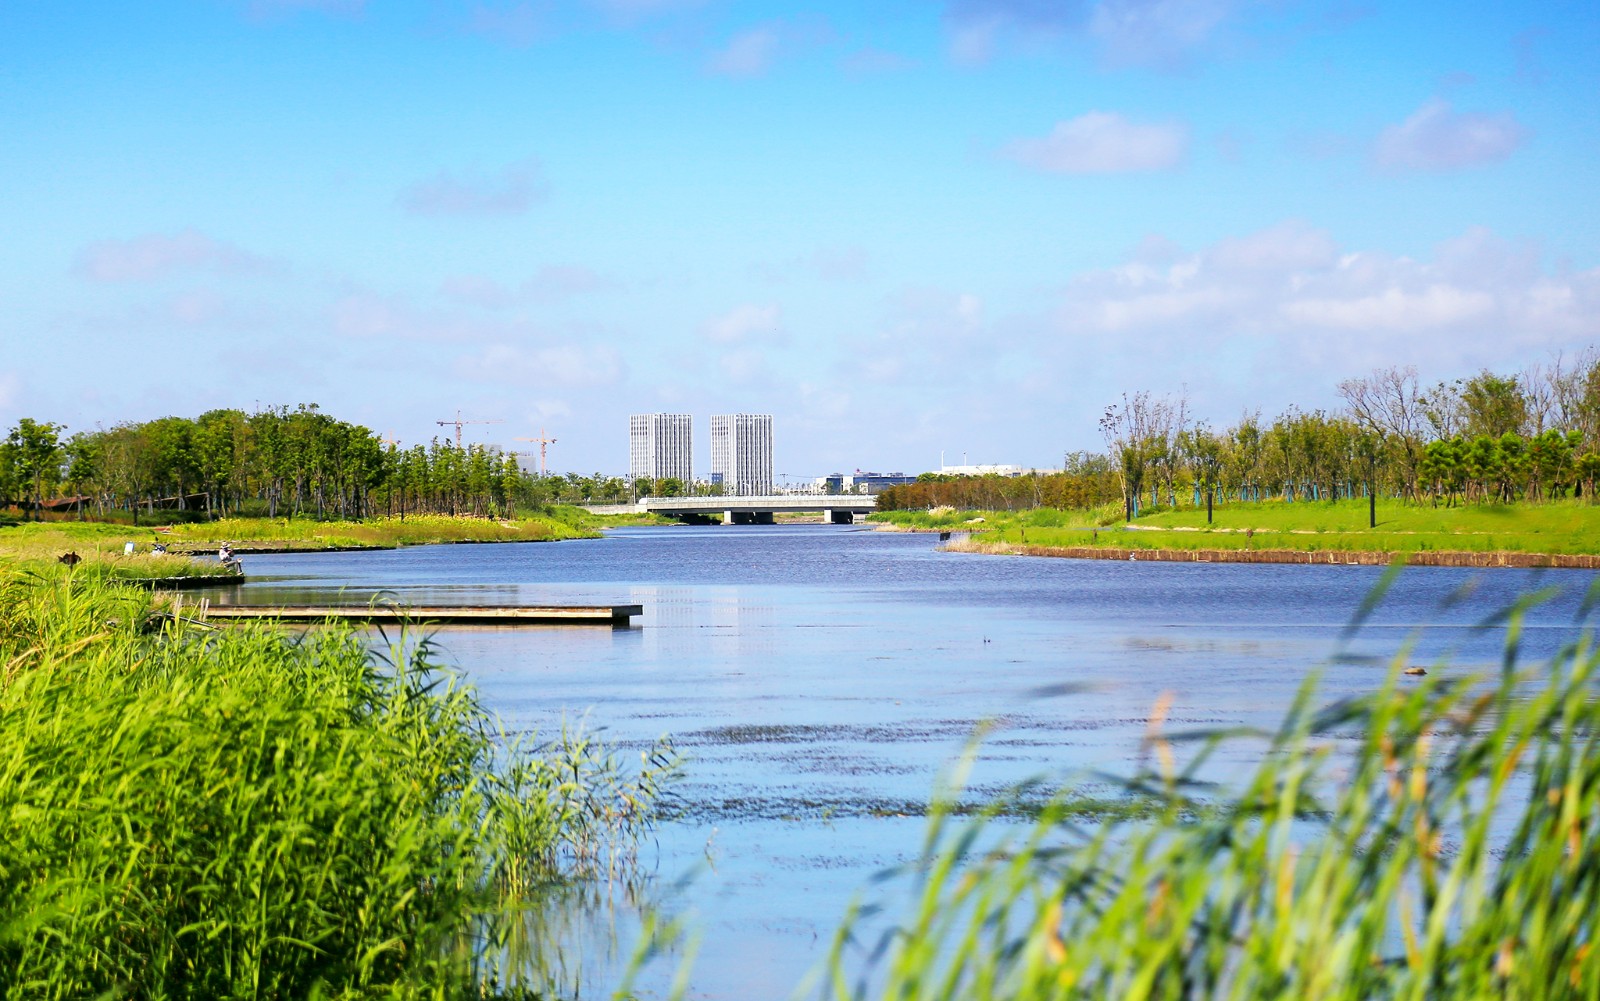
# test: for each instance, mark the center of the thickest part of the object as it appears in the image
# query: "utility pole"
(460, 421)
(543, 441)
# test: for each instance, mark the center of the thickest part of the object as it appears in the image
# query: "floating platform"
(174, 583)
(475, 615)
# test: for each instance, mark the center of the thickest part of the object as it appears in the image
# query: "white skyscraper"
(661, 445)
(741, 453)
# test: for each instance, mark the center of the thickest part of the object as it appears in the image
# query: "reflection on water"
(818, 678)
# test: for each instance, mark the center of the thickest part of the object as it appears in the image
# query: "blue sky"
(902, 227)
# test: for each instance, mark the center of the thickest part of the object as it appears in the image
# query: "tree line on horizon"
(277, 462)
(1532, 435)
(1491, 438)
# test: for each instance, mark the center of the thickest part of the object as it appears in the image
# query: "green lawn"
(1571, 527)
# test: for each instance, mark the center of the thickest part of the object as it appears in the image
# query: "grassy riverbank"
(38, 544)
(248, 813)
(1558, 528)
(247, 534)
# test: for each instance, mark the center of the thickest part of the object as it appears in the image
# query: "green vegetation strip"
(285, 534)
(100, 547)
(1557, 533)
(250, 814)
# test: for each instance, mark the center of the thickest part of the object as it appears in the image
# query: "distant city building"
(981, 470)
(741, 453)
(861, 482)
(661, 446)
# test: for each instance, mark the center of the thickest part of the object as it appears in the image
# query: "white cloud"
(515, 24)
(1292, 244)
(551, 283)
(477, 290)
(978, 26)
(568, 365)
(362, 314)
(1436, 137)
(629, 11)
(749, 53)
(1157, 32)
(562, 281)
(510, 191)
(744, 366)
(746, 323)
(930, 335)
(1393, 308)
(868, 61)
(1162, 33)
(1291, 291)
(1103, 143)
(157, 255)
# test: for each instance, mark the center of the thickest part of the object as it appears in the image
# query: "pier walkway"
(480, 615)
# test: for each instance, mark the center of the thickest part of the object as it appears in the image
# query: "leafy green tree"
(1493, 405)
(1205, 452)
(216, 439)
(36, 456)
(83, 466)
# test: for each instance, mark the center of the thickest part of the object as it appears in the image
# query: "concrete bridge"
(837, 509)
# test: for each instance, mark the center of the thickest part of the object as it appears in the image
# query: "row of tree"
(1087, 480)
(1534, 435)
(276, 462)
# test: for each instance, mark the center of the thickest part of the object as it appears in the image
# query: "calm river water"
(819, 677)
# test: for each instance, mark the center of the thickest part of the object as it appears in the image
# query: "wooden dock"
(496, 615)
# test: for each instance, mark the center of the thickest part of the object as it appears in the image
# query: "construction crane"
(543, 441)
(461, 420)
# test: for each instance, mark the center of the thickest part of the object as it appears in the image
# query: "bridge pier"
(833, 517)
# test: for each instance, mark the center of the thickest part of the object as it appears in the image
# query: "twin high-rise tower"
(741, 453)
(662, 445)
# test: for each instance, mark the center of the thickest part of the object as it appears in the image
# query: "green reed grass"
(248, 813)
(552, 524)
(1436, 839)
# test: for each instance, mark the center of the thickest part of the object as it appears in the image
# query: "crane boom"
(459, 420)
(543, 441)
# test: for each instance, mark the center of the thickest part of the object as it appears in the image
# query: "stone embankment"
(1426, 558)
